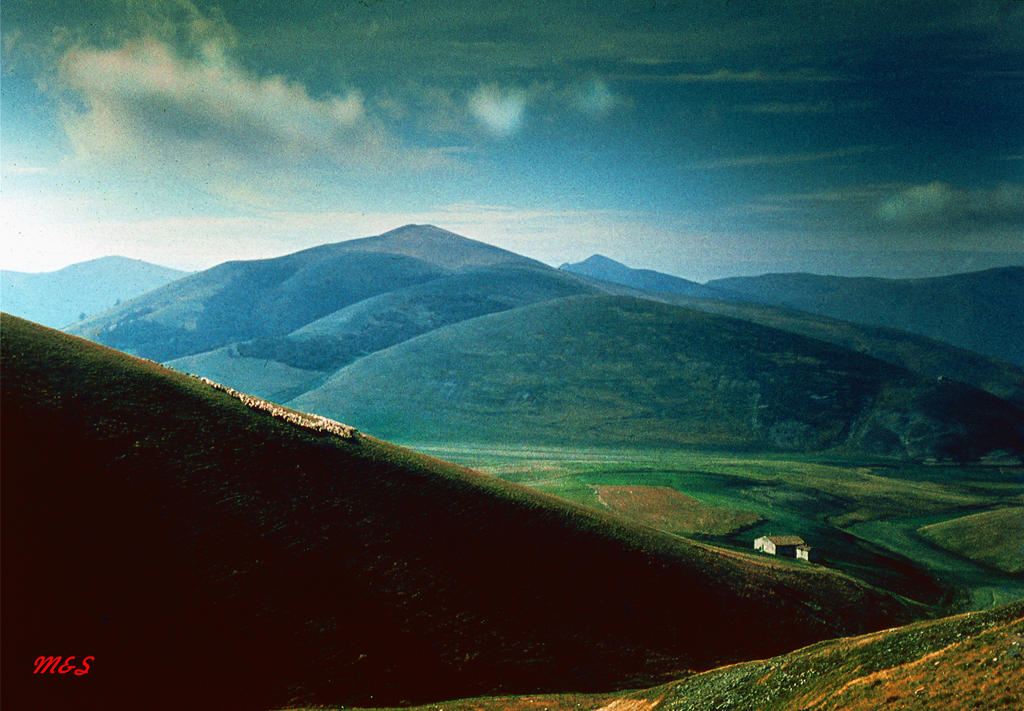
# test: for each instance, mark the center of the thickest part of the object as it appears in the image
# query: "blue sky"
(700, 138)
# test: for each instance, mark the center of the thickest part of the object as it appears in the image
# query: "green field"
(995, 538)
(864, 516)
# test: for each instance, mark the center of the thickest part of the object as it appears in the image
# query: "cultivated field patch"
(669, 510)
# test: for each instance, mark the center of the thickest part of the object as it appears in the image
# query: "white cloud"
(142, 94)
(500, 111)
(206, 122)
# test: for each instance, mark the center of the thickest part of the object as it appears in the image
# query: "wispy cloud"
(503, 111)
(206, 120)
(939, 203)
(19, 168)
(730, 76)
(775, 159)
(798, 108)
(143, 94)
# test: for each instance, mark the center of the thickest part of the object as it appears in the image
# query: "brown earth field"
(666, 509)
(210, 554)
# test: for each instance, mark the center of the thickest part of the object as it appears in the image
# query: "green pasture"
(862, 514)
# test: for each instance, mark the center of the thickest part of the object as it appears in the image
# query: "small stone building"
(780, 545)
(806, 552)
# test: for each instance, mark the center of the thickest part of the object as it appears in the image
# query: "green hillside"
(210, 555)
(923, 355)
(382, 321)
(995, 538)
(614, 370)
(979, 311)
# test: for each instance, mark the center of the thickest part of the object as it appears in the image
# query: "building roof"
(786, 540)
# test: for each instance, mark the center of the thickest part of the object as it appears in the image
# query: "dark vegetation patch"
(210, 555)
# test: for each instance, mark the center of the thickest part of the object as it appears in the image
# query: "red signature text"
(62, 665)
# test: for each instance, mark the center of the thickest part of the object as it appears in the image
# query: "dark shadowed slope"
(973, 661)
(605, 269)
(980, 311)
(613, 370)
(60, 298)
(208, 555)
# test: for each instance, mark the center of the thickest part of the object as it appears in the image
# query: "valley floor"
(864, 517)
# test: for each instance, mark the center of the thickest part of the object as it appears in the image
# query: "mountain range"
(419, 334)
(979, 311)
(62, 297)
(208, 550)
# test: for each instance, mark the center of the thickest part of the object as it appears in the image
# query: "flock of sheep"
(315, 423)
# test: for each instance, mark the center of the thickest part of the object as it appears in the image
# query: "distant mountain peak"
(424, 230)
(438, 246)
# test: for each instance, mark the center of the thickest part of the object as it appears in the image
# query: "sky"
(704, 138)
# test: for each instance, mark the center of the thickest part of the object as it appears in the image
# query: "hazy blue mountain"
(384, 320)
(436, 246)
(981, 311)
(239, 301)
(270, 298)
(605, 269)
(60, 298)
(614, 370)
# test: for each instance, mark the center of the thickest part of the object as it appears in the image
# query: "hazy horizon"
(699, 139)
(920, 265)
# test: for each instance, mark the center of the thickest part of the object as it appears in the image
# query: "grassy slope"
(967, 661)
(614, 371)
(980, 311)
(995, 538)
(263, 377)
(918, 353)
(207, 553)
(384, 320)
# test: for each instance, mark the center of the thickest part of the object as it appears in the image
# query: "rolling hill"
(60, 298)
(614, 370)
(928, 356)
(270, 298)
(923, 355)
(287, 328)
(979, 311)
(605, 269)
(207, 553)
